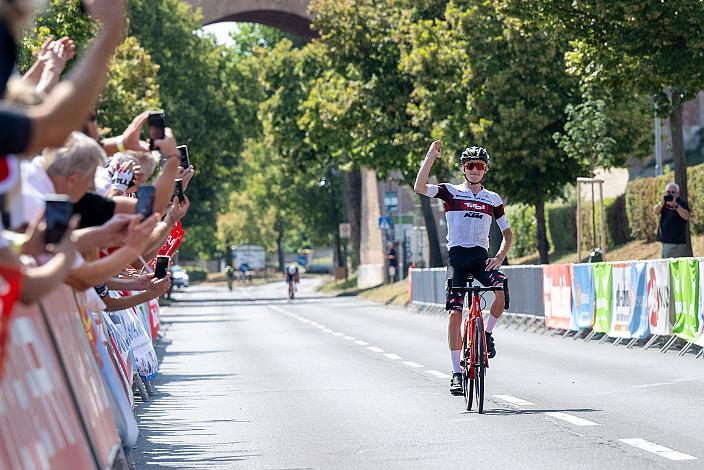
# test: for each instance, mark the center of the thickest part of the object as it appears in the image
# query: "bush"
(524, 228)
(196, 274)
(562, 226)
(642, 194)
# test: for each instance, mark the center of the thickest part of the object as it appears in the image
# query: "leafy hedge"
(524, 226)
(642, 194)
(562, 226)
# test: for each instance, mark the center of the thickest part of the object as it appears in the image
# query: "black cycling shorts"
(463, 261)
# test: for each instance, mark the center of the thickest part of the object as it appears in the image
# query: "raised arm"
(421, 185)
(68, 104)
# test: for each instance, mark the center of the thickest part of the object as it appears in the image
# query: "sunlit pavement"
(249, 380)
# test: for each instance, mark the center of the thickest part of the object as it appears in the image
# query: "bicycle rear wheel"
(479, 363)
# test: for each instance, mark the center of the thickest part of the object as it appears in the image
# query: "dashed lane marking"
(361, 343)
(348, 338)
(513, 400)
(437, 373)
(375, 349)
(393, 357)
(577, 421)
(415, 365)
(658, 384)
(657, 449)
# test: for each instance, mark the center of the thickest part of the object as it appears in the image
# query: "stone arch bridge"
(290, 16)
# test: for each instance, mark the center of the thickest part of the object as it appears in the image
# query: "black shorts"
(463, 261)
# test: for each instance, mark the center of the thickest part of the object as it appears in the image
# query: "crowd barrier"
(634, 300)
(428, 288)
(65, 400)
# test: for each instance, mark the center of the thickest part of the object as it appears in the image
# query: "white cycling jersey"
(468, 215)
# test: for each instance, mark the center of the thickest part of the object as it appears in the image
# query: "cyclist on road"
(469, 210)
(292, 278)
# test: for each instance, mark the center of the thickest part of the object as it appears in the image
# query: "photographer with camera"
(673, 226)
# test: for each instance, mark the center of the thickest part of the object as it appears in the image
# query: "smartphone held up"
(162, 266)
(57, 215)
(145, 200)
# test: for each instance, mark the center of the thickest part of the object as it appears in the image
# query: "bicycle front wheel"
(467, 383)
(479, 363)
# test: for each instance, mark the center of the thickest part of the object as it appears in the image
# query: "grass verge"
(635, 250)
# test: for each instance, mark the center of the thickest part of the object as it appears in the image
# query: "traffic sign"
(385, 222)
(346, 231)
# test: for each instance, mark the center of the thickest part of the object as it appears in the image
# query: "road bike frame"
(474, 362)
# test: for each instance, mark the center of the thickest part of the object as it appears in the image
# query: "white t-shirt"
(35, 185)
(468, 215)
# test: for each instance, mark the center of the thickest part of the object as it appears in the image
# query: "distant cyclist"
(469, 210)
(292, 278)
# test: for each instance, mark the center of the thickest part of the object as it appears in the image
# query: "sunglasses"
(481, 166)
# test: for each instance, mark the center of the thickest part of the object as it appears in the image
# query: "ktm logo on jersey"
(473, 215)
(475, 206)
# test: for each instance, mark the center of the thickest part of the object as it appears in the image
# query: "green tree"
(650, 49)
(510, 94)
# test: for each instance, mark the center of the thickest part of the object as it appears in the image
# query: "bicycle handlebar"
(478, 289)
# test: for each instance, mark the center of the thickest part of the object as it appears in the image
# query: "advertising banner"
(137, 339)
(39, 424)
(620, 300)
(154, 318)
(118, 340)
(602, 297)
(10, 285)
(700, 336)
(582, 297)
(83, 375)
(685, 289)
(557, 295)
(639, 319)
(659, 303)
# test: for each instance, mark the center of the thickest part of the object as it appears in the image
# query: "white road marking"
(327, 330)
(577, 421)
(361, 343)
(513, 400)
(393, 357)
(412, 364)
(437, 373)
(337, 333)
(658, 384)
(322, 327)
(657, 449)
(348, 338)
(375, 349)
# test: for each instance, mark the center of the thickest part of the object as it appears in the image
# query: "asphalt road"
(251, 381)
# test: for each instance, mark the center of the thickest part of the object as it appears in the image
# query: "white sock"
(491, 323)
(455, 361)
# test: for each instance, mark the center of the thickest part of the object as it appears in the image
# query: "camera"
(57, 215)
(162, 264)
(145, 200)
(669, 198)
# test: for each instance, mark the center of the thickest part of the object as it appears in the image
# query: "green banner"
(684, 274)
(602, 294)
